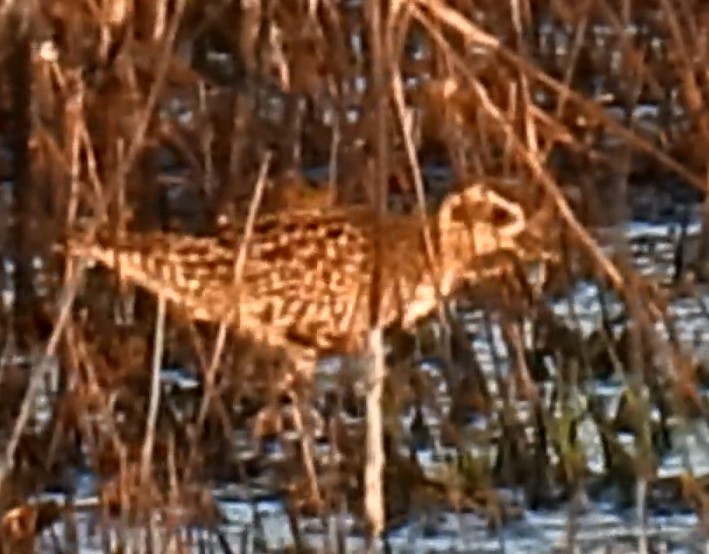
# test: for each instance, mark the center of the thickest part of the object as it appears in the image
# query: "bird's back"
(310, 272)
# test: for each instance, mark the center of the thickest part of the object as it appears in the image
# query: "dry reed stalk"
(152, 416)
(374, 443)
(686, 45)
(210, 375)
(39, 372)
(374, 509)
(591, 109)
(42, 366)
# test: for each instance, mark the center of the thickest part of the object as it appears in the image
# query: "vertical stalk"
(18, 72)
(374, 464)
(154, 406)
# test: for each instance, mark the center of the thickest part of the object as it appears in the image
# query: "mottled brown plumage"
(307, 272)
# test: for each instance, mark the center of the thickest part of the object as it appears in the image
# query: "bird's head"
(478, 221)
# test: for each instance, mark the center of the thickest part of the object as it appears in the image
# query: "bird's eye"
(501, 216)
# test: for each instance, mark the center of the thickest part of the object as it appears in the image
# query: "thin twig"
(238, 272)
(151, 420)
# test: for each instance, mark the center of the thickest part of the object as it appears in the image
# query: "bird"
(306, 273)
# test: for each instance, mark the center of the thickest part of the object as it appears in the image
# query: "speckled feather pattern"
(307, 273)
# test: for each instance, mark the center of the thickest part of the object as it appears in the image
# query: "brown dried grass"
(159, 114)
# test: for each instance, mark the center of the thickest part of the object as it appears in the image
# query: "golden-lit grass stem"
(239, 263)
(250, 219)
(154, 405)
(374, 460)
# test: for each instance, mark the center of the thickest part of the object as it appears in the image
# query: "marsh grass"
(159, 115)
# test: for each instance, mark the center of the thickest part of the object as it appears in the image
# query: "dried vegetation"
(162, 115)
